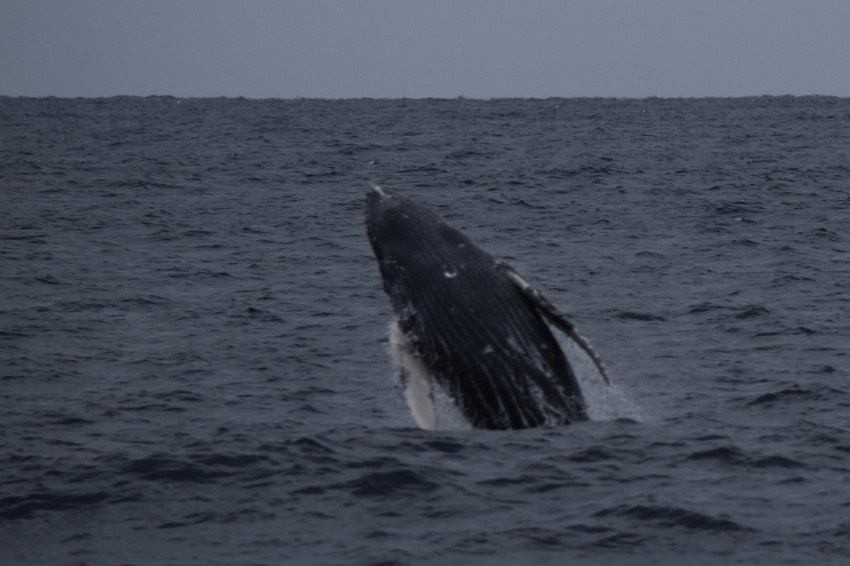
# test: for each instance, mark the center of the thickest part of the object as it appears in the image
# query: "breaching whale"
(469, 325)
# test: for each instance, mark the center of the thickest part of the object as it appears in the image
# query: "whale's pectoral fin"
(553, 315)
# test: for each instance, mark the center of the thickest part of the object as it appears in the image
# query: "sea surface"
(193, 332)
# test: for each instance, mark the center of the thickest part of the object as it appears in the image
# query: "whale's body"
(468, 325)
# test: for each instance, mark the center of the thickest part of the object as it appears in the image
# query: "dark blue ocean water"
(193, 363)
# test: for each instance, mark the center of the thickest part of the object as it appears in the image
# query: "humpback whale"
(469, 327)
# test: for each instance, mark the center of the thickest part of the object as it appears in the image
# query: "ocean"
(193, 331)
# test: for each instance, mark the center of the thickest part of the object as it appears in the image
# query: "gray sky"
(440, 48)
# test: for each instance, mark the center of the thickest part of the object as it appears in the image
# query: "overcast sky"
(424, 48)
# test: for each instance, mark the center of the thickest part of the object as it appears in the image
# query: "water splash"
(604, 402)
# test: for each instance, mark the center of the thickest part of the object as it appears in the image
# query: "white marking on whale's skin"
(415, 379)
(430, 405)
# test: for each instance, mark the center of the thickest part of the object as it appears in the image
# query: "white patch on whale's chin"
(414, 378)
(431, 407)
